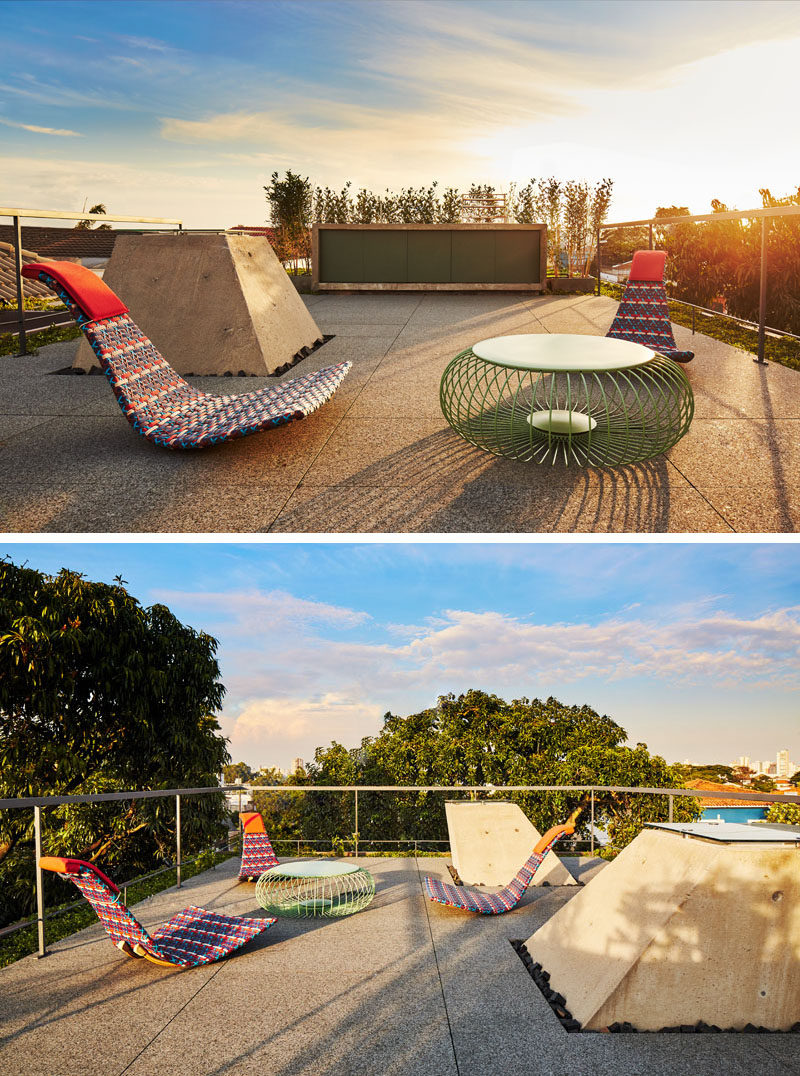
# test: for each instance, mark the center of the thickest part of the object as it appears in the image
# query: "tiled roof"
(8, 278)
(65, 242)
(720, 800)
(254, 229)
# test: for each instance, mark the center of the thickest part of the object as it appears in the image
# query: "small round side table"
(580, 399)
(316, 887)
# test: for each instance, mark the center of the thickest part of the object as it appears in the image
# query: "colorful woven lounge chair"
(473, 900)
(193, 936)
(643, 314)
(160, 404)
(257, 853)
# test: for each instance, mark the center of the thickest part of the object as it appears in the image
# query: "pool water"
(733, 814)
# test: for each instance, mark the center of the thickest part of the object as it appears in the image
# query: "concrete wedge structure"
(491, 840)
(678, 930)
(211, 304)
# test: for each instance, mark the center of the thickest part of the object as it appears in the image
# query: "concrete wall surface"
(211, 304)
(678, 930)
(491, 841)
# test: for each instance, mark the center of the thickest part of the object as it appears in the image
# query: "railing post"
(671, 802)
(651, 234)
(694, 312)
(591, 839)
(23, 341)
(178, 836)
(762, 296)
(355, 831)
(598, 261)
(37, 838)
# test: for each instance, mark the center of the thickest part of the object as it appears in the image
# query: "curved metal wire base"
(328, 897)
(604, 417)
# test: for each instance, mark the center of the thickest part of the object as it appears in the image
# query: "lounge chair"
(473, 900)
(643, 314)
(193, 936)
(257, 853)
(160, 404)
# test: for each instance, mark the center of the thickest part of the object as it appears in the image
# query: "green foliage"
(795, 778)
(711, 771)
(721, 259)
(9, 344)
(787, 813)
(236, 771)
(480, 739)
(97, 211)
(99, 694)
(762, 783)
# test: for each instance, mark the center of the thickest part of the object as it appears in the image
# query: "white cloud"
(271, 730)
(42, 130)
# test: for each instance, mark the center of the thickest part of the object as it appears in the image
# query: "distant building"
(783, 765)
(297, 764)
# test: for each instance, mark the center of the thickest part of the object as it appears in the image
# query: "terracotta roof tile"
(8, 278)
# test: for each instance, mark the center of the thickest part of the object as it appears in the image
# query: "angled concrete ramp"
(211, 304)
(490, 841)
(680, 929)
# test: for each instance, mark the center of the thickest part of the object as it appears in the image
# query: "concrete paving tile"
(355, 328)
(11, 425)
(466, 493)
(378, 450)
(735, 452)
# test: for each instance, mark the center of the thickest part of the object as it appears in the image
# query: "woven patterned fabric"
(120, 924)
(472, 900)
(163, 407)
(193, 936)
(257, 856)
(643, 317)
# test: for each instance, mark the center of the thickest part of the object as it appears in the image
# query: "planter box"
(566, 285)
(429, 257)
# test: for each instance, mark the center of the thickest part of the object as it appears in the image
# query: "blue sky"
(184, 109)
(693, 648)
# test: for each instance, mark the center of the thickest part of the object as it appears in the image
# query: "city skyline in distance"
(692, 648)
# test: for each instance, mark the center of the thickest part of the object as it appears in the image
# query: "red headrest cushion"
(72, 866)
(94, 297)
(648, 265)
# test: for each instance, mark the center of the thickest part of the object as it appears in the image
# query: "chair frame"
(192, 937)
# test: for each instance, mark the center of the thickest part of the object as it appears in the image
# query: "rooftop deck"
(404, 987)
(380, 456)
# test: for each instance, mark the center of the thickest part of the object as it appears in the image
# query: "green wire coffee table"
(581, 399)
(315, 887)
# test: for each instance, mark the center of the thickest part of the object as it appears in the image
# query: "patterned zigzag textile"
(257, 853)
(472, 900)
(193, 936)
(643, 314)
(160, 404)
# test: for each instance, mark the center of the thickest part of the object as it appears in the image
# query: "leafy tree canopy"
(98, 693)
(236, 771)
(480, 739)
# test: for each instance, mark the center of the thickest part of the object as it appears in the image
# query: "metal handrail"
(39, 803)
(763, 214)
(17, 216)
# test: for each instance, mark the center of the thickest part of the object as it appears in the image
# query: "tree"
(291, 201)
(480, 739)
(86, 225)
(795, 778)
(762, 783)
(97, 694)
(236, 771)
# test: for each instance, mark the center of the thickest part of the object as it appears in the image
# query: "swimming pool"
(733, 814)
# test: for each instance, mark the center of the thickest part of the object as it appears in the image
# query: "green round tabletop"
(562, 352)
(313, 868)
